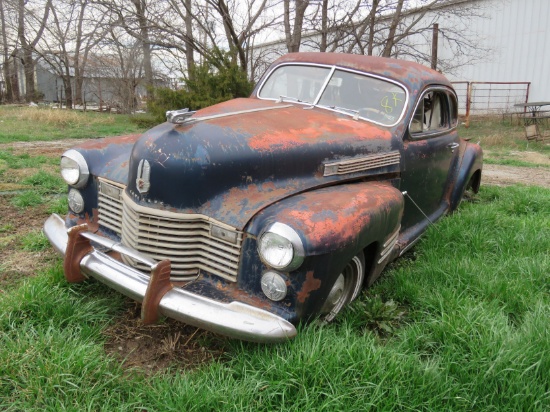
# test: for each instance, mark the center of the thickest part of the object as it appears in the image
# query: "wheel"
(346, 288)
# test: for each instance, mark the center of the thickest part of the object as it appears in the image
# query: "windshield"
(352, 93)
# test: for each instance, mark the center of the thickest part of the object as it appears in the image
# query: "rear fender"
(471, 163)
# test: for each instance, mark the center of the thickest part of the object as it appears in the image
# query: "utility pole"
(435, 35)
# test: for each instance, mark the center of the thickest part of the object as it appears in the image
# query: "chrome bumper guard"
(155, 292)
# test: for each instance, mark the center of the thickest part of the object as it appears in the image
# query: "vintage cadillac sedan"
(252, 215)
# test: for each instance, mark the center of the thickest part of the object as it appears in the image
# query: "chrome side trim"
(410, 245)
(389, 245)
(360, 164)
(234, 319)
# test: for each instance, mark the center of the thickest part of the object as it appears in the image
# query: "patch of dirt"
(15, 263)
(52, 148)
(532, 157)
(500, 175)
(153, 348)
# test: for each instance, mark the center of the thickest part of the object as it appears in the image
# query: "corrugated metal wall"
(518, 34)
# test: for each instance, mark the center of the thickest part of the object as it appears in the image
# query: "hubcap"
(344, 289)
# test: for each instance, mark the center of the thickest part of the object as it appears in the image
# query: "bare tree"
(30, 17)
(120, 72)
(90, 31)
(392, 28)
(76, 29)
(293, 32)
(141, 6)
(6, 67)
(396, 18)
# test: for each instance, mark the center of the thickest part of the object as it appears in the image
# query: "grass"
(461, 323)
(35, 241)
(28, 198)
(469, 317)
(45, 182)
(34, 123)
(504, 142)
(499, 160)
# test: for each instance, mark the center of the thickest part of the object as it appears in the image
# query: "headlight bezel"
(81, 164)
(289, 234)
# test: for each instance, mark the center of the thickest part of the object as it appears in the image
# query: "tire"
(346, 287)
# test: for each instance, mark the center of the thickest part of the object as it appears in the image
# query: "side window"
(432, 114)
(453, 109)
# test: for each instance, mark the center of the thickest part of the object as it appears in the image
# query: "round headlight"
(274, 286)
(74, 168)
(76, 201)
(281, 248)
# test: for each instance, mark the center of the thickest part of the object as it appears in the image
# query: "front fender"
(471, 162)
(337, 217)
(334, 224)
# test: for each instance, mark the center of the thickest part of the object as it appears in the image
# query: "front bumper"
(234, 319)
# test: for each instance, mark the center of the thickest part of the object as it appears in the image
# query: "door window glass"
(432, 113)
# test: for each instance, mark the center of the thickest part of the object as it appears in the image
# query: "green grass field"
(472, 333)
(23, 124)
(504, 142)
(460, 323)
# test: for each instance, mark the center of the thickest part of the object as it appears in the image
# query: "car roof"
(413, 75)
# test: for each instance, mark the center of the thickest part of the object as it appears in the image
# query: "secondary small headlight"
(274, 286)
(74, 168)
(76, 201)
(281, 248)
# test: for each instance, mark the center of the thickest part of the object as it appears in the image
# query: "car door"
(430, 149)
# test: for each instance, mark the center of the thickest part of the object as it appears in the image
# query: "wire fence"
(490, 98)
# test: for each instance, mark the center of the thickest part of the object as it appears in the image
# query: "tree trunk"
(26, 59)
(324, 28)
(294, 34)
(372, 22)
(189, 34)
(390, 42)
(78, 85)
(68, 86)
(15, 80)
(145, 43)
(6, 68)
(231, 34)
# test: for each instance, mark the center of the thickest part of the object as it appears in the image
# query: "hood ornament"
(143, 182)
(179, 116)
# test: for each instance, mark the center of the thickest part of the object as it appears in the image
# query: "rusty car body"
(252, 215)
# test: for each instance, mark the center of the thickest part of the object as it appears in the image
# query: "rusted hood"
(254, 153)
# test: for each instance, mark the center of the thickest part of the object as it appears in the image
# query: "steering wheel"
(373, 113)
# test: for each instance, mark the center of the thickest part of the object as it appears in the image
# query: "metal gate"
(490, 98)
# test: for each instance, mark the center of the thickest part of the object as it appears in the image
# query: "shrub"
(217, 80)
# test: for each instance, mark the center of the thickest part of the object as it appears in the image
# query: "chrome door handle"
(453, 146)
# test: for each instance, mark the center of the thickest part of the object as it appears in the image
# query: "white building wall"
(517, 32)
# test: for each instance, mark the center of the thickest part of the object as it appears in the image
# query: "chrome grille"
(360, 164)
(110, 205)
(191, 242)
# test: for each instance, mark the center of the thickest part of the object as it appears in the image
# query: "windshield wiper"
(283, 98)
(345, 109)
